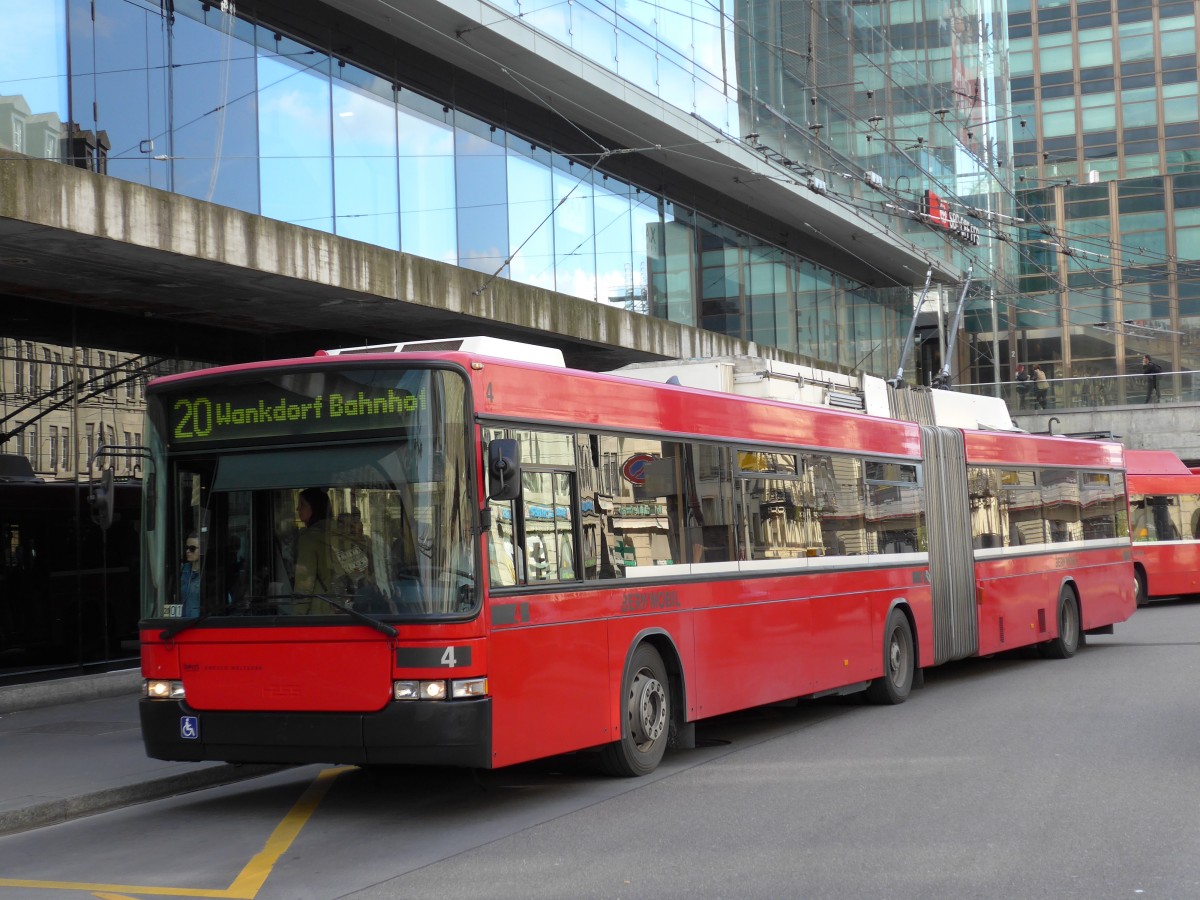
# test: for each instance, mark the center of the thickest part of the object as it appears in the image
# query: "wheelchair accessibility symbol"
(189, 728)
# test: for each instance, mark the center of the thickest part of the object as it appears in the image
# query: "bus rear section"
(1051, 540)
(1164, 506)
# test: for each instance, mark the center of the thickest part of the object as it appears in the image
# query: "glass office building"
(896, 112)
(1107, 154)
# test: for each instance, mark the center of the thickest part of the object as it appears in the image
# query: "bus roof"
(539, 392)
(1159, 472)
(480, 344)
(1003, 448)
(1155, 462)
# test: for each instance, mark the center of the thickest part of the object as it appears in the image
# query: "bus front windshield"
(380, 524)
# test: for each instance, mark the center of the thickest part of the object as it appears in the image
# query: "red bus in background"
(504, 560)
(1164, 505)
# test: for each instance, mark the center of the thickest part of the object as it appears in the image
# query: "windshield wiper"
(381, 627)
(179, 627)
(359, 616)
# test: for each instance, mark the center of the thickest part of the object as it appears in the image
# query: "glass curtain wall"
(232, 111)
(34, 75)
(1109, 166)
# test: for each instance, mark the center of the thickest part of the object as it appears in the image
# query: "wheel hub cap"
(651, 718)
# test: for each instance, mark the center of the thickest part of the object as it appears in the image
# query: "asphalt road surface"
(1010, 777)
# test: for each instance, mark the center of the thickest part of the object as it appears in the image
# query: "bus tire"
(1064, 645)
(645, 717)
(899, 663)
(1139, 579)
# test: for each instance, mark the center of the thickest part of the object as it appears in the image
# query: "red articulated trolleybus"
(449, 558)
(1164, 504)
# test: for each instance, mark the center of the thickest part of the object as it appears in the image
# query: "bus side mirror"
(504, 469)
(101, 500)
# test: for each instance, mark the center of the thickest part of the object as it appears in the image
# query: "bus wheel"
(1067, 642)
(645, 717)
(899, 662)
(1139, 579)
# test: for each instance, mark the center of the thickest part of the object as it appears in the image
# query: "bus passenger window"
(1163, 509)
(548, 518)
(1021, 508)
(1061, 505)
(503, 563)
(566, 557)
(646, 506)
(837, 482)
(769, 506)
(711, 473)
(1100, 499)
(983, 493)
(538, 563)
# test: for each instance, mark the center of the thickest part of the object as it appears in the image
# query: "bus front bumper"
(451, 733)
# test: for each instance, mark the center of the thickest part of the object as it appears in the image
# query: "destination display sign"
(275, 409)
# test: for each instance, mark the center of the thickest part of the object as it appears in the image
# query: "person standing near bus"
(189, 577)
(317, 571)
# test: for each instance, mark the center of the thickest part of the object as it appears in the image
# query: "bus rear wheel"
(645, 717)
(1067, 642)
(1139, 580)
(899, 662)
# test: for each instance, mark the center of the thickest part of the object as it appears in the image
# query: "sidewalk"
(73, 747)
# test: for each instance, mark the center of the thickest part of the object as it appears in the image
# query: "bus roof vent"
(484, 346)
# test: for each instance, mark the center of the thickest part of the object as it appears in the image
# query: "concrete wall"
(69, 235)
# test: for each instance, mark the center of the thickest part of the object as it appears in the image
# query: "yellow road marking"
(252, 877)
(248, 882)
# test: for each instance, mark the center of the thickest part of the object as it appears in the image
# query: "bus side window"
(1099, 506)
(770, 502)
(601, 486)
(504, 565)
(548, 518)
(894, 515)
(711, 471)
(1021, 507)
(643, 506)
(1164, 525)
(841, 487)
(1061, 504)
(1139, 527)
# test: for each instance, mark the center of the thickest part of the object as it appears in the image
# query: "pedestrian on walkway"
(1151, 370)
(1041, 386)
(1022, 379)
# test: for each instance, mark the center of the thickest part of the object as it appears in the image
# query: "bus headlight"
(433, 690)
(419, 690)
(162, 689)
(463, 689)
